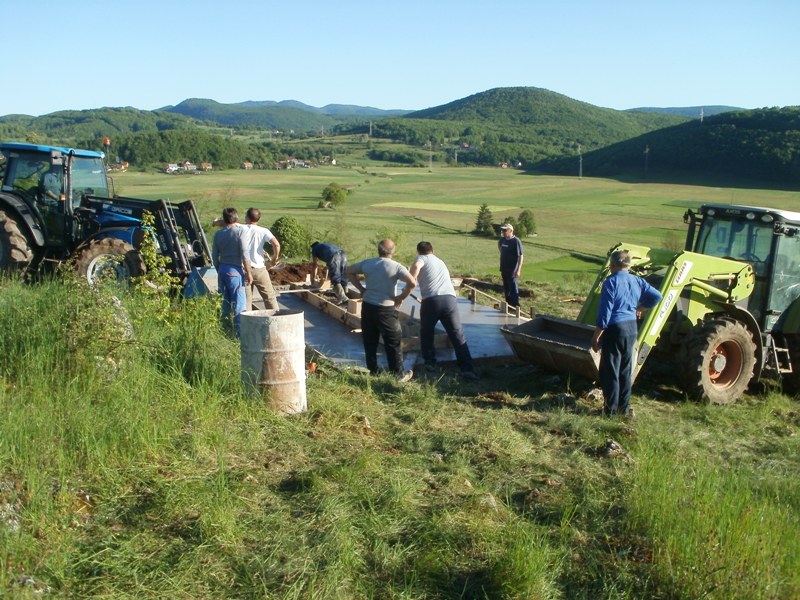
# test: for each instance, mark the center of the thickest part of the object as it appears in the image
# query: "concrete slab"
(343, 345)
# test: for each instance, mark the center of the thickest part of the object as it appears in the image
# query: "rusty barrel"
(273, 357)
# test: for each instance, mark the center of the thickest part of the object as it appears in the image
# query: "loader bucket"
(559, 345)
(200, 282)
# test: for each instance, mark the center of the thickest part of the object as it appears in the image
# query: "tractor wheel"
(109, 260)
(15, 251)
(719, 359)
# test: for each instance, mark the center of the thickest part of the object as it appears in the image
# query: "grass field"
(134, 465)
(573, 216)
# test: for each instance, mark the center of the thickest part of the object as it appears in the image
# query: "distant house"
(205, 166)
(171, 168)
(188, 166)
(247, 165)
(118, 166)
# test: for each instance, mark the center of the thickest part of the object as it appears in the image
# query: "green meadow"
(133, 464)
(576, 218)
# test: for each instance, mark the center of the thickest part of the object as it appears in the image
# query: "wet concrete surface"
(342, 345)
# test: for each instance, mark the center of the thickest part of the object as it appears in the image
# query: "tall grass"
(722, 523)
(133, 465)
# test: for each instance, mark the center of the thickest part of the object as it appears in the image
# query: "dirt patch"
(292, 273)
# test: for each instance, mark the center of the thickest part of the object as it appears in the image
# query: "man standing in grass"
(379, 307)
(622, 299)
(229, 255)
(259, 238)
(439, 305)
(510, 248)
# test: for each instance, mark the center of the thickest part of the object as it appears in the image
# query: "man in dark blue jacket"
(336, 261)
(510, 248)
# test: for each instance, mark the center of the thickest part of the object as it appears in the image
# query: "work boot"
(341, 297)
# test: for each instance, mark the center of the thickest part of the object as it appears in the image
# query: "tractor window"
(786, 281)
(25, 175)
(749, 241)
(88, 177)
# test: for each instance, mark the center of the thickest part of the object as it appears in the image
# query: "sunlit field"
(575, 218)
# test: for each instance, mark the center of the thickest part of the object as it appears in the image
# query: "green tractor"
(56, 205)
(730, 311)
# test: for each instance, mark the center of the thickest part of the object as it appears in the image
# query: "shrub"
(526, 222)
(483, 223)
(295, 239)
(334, 194)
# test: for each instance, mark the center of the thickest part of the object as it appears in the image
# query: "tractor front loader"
(56, 205)
(729, 311)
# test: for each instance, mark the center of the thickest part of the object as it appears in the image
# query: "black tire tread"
(705, 337)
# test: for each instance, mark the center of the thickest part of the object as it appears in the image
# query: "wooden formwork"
(350, 315)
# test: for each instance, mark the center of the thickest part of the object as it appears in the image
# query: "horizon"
(417, 56)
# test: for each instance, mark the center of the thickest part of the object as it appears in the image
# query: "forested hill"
(67, 126)
(527, 127)
(692, 112)
(520, 125)
(762, 144)
(526, 106)
(287, 115)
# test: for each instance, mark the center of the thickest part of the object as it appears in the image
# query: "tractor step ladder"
(781, 358)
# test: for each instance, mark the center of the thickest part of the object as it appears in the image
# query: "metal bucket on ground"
(273, 357)
(558, 344)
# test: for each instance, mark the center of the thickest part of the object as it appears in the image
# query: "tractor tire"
(15, 250)
(719, 358)
(110, 260)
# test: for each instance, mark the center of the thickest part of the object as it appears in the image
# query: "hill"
(532, 128)
(68, 126)
(519, 125)
(691, 112)
(287, 115)
(344, 110)
(762, 144)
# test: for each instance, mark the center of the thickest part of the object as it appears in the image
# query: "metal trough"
(557, 344)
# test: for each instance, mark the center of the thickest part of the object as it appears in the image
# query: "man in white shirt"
(259, 238)
(439, 305)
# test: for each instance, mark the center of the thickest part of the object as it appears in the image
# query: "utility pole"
(646, 157)
(430, 156)
(580, 163)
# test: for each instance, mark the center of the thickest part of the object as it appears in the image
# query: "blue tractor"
(56, 205)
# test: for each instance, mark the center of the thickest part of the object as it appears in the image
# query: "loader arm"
(697, 284)
(704, 285)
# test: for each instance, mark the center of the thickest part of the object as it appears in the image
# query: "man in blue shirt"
(229, 254)
(622, 299)
(336, 261)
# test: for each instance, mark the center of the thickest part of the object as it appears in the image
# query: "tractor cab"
(52, 183)
(765, 238)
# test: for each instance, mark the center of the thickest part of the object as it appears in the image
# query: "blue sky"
(409, 55)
